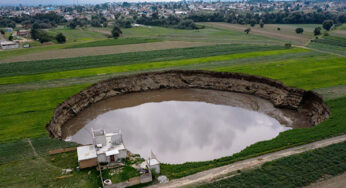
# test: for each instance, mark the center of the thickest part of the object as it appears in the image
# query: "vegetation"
(317, 31)
(112, 42)
(293, 171)
(327, 24)
(116, 32)
(56, 65)
(332, 40)
(281, 17)
(121, 174)
(60, 38)
(299, 30)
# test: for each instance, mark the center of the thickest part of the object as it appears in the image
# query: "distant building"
(107, 149)
(6, 45)
(23, 33)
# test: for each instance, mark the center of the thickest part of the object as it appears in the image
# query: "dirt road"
(104, 50)
(217, 173)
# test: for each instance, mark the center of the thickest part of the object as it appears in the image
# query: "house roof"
(86, 152)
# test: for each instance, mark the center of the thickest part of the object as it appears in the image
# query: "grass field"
(112, 42)
(293, 171)
(77, 35)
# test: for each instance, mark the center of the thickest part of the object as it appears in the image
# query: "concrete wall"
(308, 103)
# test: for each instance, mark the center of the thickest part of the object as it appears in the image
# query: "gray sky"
(62, 2)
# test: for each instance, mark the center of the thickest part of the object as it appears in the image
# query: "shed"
(87, 156)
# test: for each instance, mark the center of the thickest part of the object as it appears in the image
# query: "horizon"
(88, 2)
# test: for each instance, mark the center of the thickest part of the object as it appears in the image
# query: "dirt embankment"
(308, 103)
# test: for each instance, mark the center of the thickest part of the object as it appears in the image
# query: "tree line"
(283, 17)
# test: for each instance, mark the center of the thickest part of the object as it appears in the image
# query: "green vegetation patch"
(293, 171)
(332, 40)
(77, 35)
(24, 114)
(308, 73)
(142, 66)
(333, 126)
(113, 42)
(120, 174)
(57, 65)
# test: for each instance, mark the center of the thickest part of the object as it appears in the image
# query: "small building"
(23, 33)
(6, 45)
(87, 156)
(107, 149)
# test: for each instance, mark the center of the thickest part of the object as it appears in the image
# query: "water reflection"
(179, 131)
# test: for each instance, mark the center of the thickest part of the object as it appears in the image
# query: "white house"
(107, 149)
(6, 45)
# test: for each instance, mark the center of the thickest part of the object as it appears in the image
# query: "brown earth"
(274, 34)
(103, 50)
(307, 103)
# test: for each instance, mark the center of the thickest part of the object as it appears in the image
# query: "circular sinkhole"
(181, 125)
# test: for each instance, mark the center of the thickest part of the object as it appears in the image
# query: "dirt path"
(104, 50)
(273, 34)
(39, 157)
(333, 182)
(220, 172)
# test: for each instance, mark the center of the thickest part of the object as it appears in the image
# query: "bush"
(247, 31)
(10, 38)
(317, 31)
(327, 24)
(116, 32)
(288, 45)
(187, 24)
(278, 28)
(60, 38)
(299, 30)
(252, 22)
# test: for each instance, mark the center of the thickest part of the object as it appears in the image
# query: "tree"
(247, 31)
(2, 31)
(10, 38)
(327, 24)
(299, 30)
(73, 25)
(261, 24)
(116, 32)
(317, 31)
(60, 38)
(252, 22)
(278, 28)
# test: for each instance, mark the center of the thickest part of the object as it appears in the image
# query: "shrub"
(247, 31)
(317, 31)
(60, 38)
(116, 32)
(327, 24)
(299, 30)
(288, 45)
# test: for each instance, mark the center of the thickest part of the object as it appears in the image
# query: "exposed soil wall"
(309, 103)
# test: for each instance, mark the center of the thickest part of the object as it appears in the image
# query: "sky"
(64, 2)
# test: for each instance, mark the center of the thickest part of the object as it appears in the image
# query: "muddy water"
(185, 124)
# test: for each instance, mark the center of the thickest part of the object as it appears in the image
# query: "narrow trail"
(39, 157)
(220, 172)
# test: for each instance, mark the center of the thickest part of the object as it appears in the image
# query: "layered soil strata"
(307, 103)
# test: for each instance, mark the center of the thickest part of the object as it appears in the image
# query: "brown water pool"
(181, 125)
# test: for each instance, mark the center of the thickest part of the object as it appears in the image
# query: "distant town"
(110, 10)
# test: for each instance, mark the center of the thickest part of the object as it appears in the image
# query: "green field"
(77, 35)
(293, 171)
(30, 91)
(112, 42)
